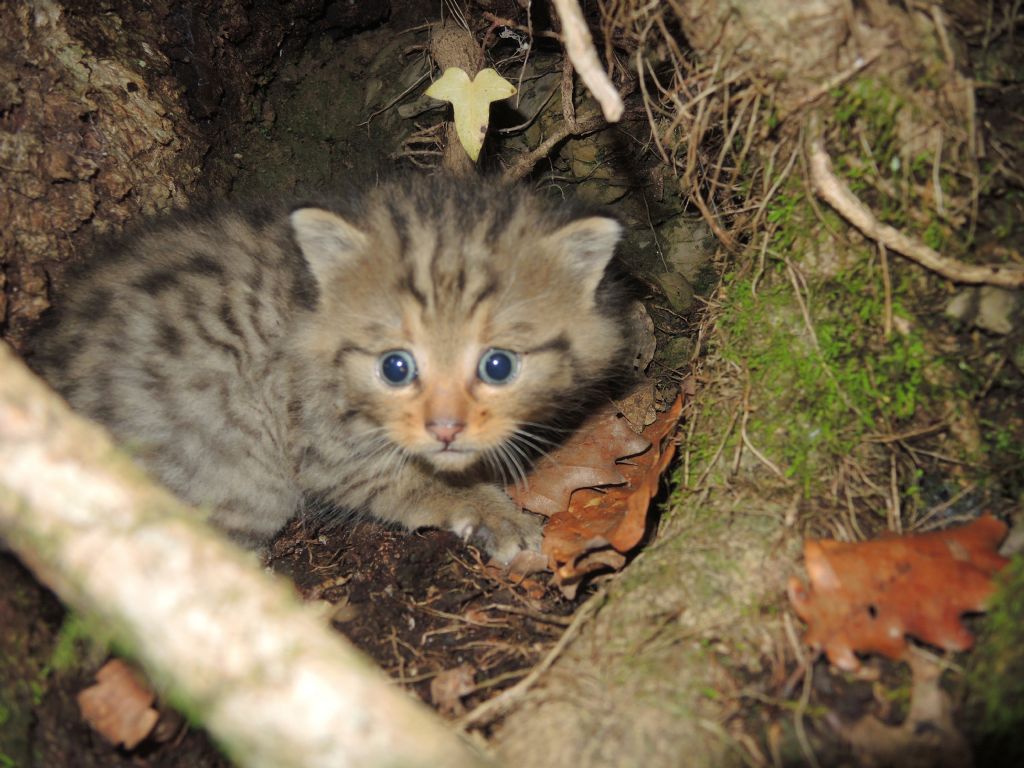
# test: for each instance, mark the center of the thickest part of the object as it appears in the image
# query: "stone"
(990, 308)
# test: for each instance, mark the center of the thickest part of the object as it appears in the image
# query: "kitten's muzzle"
(445, 430)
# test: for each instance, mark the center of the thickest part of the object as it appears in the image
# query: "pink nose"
(445, 431)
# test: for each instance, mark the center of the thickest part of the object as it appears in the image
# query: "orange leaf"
(119, 705)
(866, 597)
(586, 460)
(598, 527)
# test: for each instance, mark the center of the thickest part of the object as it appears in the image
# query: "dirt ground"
(417, 604)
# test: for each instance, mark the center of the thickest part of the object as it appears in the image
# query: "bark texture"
(85, 139)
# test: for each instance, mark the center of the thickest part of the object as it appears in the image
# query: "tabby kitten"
(394, 355)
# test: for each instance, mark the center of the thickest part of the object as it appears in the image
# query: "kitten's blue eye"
(498, 366)
(398, 367)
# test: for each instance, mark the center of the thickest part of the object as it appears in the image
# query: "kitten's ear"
(588, 245)
(326, 239)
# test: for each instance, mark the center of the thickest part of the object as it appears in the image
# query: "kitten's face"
(454, 340)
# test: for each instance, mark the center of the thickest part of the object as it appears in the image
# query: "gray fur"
(235, 353)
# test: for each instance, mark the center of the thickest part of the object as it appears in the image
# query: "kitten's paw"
(493, 522)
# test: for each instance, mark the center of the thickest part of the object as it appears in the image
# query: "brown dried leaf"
(587, 460)
(448, 688)
(613, 517)
(119, 706)
(570, 576)
(867, 596)
(641, 331)
(638, 407)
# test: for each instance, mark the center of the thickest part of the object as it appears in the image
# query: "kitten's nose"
(445, 430)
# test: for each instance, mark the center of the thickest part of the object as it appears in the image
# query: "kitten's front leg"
(485, 516)
(477, 512)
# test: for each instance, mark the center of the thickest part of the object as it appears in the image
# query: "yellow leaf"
(471, 102)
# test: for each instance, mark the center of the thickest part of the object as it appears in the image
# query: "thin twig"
(522, 167)
(502, 703)
(775, 187)
(895, 508)
(723, 236)
(579, 45)
(883, 257)
(805, 663)
(546, 618)
(568, 106)
(718, 451)
(833, 82)
(746, 439)
(839, 196)
(395, 100)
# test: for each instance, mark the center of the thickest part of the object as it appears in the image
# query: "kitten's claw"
(500, 528)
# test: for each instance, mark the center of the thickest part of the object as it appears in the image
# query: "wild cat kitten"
(386, 355)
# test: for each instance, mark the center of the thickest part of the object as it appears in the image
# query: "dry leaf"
(598, 558)
(599, 526)
(927, 737)
(471, 102)
(448, 688)
(586, 460)
(866, 597)
(119, 706)
(641, 331)
(638, 407)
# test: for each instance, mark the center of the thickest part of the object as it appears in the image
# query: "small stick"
(506, 700)
(883, 255)
(839, 196)
(579, 45)
(522, 167)
(723, 236)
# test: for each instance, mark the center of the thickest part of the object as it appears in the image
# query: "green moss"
(818, 394)
(996, 676)
(78, 643)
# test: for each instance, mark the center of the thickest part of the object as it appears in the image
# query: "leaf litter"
(867, 597)
(596, 490)
(120, 705)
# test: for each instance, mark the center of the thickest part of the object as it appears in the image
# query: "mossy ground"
(995, 679)
(839, 400)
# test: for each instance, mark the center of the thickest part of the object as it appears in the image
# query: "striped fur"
(236, 353)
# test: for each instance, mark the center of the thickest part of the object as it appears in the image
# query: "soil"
(417, 604)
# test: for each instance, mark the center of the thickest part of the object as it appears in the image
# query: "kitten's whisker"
(546, 428)
(512, 445)
(529, 442)
(494, 467)
(395, 457)
(515, 468)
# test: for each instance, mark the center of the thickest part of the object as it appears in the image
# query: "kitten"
(394, 355)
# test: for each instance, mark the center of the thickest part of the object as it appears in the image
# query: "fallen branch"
(521, 168)
(579, 46)
(839, 196)
(231, 645)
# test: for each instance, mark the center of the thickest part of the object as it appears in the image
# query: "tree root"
(524, 165)
(838, 195)
(580, 47)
